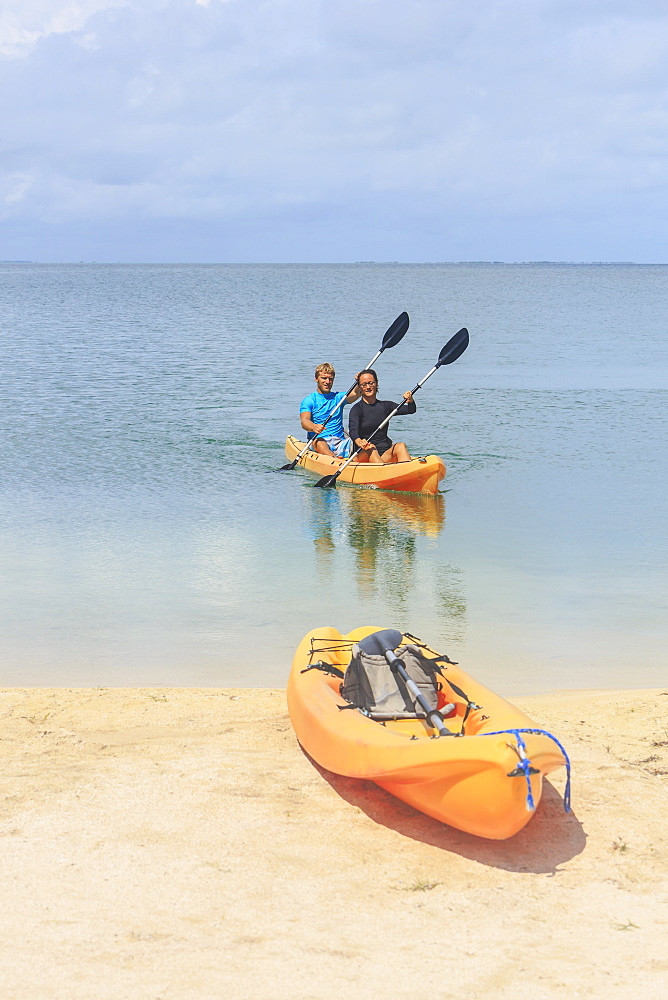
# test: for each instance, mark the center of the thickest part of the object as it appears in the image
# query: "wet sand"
(170, 844)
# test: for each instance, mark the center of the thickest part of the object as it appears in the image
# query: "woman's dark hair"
(367, 371)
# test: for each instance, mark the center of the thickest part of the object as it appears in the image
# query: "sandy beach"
(169, 844)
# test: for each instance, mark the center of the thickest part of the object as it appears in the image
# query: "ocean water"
(147, 538)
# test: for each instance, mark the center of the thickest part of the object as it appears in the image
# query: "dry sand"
(174, 844)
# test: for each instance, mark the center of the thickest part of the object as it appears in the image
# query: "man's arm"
(355, 393)
(307, 423)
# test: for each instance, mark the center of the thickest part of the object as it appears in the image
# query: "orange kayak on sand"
(420, 475)
(486, 780)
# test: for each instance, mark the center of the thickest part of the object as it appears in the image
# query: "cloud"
(24, 22)
(448, 115)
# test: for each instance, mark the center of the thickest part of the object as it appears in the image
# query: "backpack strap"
(422, 645)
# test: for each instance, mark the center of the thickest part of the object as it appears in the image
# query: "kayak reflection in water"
(368, 414)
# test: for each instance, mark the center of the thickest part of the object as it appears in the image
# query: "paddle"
(384, 644)
(393, 335)
(452, 350)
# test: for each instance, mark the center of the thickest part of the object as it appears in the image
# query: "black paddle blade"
(288, 467)
(327, 482)
(396, 332)
(378, 643)
(454, 348)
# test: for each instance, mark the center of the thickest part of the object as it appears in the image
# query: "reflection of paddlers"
(414, 512)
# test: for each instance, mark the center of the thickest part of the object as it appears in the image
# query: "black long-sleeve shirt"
(366, 417)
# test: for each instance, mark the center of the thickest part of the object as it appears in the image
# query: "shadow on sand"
(551, 838)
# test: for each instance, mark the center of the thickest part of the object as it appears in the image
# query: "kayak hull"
(466, 782)
(420, 475)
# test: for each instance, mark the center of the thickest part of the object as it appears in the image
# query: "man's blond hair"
(324, 369)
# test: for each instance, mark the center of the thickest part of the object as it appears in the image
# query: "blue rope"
(525, 763)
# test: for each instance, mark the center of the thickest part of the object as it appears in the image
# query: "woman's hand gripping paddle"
(454, 348)
(393, 335)
(384, 644)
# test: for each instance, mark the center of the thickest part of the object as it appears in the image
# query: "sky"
(334, 130)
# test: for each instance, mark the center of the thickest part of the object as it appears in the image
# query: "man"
(316, 408)
(367, 415)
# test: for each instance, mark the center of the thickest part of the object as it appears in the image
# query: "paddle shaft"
(383, 643)
(434, 717)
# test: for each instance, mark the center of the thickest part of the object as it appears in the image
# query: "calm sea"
(146, 537)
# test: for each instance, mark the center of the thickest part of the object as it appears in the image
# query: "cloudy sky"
(334, 130)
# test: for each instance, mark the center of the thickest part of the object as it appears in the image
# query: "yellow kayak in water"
(420, 475)
(486, 778)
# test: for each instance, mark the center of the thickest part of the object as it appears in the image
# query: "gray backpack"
(370, 685)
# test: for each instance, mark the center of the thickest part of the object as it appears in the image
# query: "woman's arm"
(408, 406)
(354, 422)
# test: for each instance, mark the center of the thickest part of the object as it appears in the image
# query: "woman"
(368, 414)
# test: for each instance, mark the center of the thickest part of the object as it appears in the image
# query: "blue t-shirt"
(320, 405)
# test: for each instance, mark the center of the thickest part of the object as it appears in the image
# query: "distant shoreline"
(344, 263)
